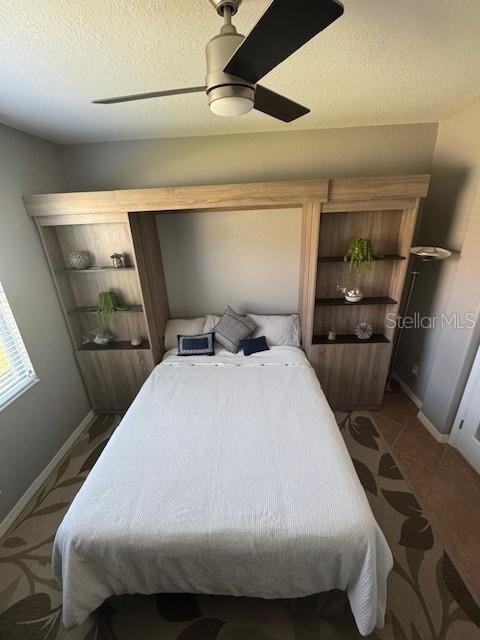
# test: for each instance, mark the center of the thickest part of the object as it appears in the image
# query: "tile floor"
(445, 484)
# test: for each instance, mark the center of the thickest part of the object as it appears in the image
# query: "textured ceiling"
(385, 61)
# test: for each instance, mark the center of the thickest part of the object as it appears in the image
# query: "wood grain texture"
(212, 197)
(148, 257)
(352, 375)
(392, 187)
(113, 378)
(308, 272)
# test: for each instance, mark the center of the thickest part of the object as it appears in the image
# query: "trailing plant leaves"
(31, 619)
(178, 607)
(416, 533)
(52, 508)
(361, 431)
(93, 457)
(387, 468)
(16, 541)
(403, 502)
(206, 629)
(365, 476)
(459, 591)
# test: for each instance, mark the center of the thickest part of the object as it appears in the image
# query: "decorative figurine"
(118, 261)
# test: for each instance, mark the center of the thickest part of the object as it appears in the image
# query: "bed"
(227, 475)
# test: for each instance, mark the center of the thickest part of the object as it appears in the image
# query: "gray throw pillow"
(231, 328)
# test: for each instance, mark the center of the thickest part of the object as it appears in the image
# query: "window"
(16, 371)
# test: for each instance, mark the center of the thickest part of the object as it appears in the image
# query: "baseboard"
(38, 482)
(407, 391)
(432, 429)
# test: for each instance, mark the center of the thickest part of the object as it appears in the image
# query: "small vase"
(117, 262)
(79, 259)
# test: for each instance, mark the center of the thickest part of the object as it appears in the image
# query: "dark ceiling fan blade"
(277, 106)
(284, 27)
(152, 94)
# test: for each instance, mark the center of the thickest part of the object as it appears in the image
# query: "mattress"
(227, 475)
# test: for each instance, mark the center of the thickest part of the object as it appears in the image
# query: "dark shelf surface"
(95, 269)
(116, 345)
(135, 308)
(376, 258)
(333, 302)
(350, 338)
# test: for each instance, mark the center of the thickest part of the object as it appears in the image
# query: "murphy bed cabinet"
(352, 372)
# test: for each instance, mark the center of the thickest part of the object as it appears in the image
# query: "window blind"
(16, 371)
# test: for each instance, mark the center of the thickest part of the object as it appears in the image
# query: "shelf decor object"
(79, 259)
(363, 331)
(359, 254)
(118, 261)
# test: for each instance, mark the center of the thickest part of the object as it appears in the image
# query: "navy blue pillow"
(199, 345)
(254, 345)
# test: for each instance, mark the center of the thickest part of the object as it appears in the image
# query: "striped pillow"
(231, 328)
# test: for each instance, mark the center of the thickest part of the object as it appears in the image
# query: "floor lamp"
(426, 254)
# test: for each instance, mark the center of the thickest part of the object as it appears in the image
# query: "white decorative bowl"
(355, 298)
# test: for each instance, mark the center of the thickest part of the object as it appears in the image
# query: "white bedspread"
(228, 475)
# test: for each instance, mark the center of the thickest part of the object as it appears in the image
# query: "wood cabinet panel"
(113, 378)
(351, 375)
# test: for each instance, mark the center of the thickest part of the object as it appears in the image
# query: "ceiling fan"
(236, 63)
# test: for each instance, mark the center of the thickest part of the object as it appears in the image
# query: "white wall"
(36, 424)
(451, 218)
(247, 259)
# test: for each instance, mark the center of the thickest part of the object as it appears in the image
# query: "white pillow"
(184, 327)
(278, 330)
(210, 322)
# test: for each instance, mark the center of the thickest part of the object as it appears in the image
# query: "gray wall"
(362, 151)
(451, 218)
(247, 259)
(37, 423)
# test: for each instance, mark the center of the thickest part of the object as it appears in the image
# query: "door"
(466, 428)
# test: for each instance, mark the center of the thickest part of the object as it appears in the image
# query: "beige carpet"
(427, 598)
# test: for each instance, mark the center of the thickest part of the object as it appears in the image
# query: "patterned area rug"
(427, 598)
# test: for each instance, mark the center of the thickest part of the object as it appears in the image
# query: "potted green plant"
(108, 306)
(359, 254)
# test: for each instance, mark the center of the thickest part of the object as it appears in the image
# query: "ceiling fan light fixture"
(231, 107)
(231, 101)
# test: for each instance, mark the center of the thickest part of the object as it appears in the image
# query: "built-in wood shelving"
(135, 308)
(116, 345)
(341, 302)
(350, 338)
(390, 257)
(95, 270)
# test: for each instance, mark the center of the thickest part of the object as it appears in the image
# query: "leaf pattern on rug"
(365, 476)
(364, 432)
(458, 590)
(30, 619)
(441, 608)
(416, 531)
(387, 468)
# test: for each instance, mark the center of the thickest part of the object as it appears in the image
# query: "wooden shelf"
(390, 257)
(135, 308)
(341, 302)
(95, 270)
(350, 338)
(116, 345)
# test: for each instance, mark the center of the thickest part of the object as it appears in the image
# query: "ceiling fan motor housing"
(221, 4)
(219, 51)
